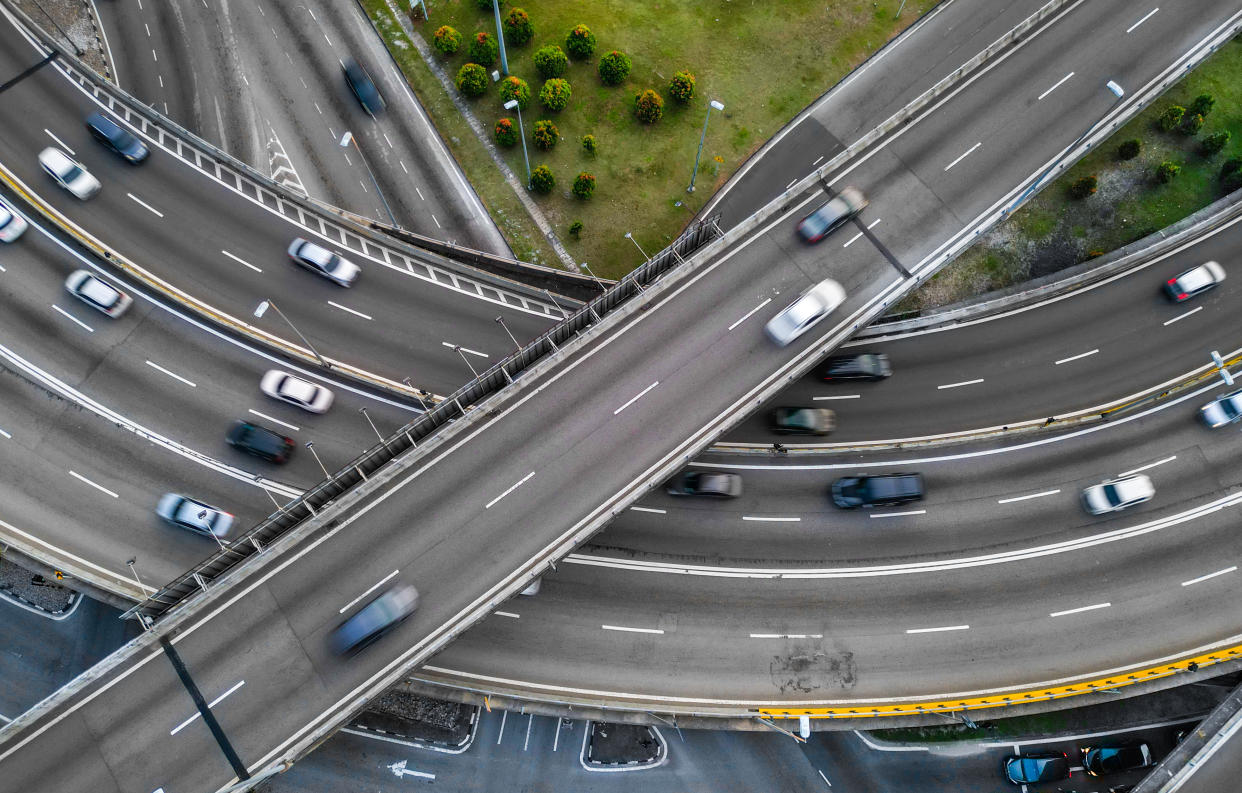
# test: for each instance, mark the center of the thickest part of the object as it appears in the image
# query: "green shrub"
(589, 145)
(648, 106)
(555, 94)
(550, 61)
(447, 39)
(515, 88)
(546, 134)
(1191, 124)
(485, 5)
(580, 43)
(483, 49)
(1081, 188)
(519, 29)
(1129, 149)
(471, 79)
(1231, 174)
(681, 87)
(1203, 104)
(542, 180)
(1166, 170)
(1212, 144)
(506, 133)
(575, 229)
(584, 185)
(614, 67)
(1171, 117)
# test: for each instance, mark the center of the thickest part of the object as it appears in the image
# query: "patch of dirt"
(620, 744)
(421, 718)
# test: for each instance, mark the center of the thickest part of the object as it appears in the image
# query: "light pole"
(630, 237)
(310, 445)
(367, 416)
(143, 619)
(591, 273)
(703, 137)
(512, 104)
(348, 138)
(419, 393)
(501, 322)
(427, 18)
(262, 309)
(500, 38)
(467, 360)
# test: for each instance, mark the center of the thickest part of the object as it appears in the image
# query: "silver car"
(194, 515)
(296, 391)
(797, 318)
(1225, 409)
(1118, 494)
(12, 225)
(97, 293)
(68, 173)
(319, 259)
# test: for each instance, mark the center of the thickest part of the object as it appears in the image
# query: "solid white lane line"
(520, 482)
(1182, 316)
(1080, 609)
(507, 614)
(211, 704)
(241, 261)
(843, 396)
(1075, 357)
(92, 484)
(959, 385)
(1025, 498)
(898, 514)
(1203, 578)
(453, 346)
(1146, 17)
(278, 421)
(770, 520)
(1054, 86)
(964, 155)
(939, 630)
(649, 509)
(787, 636)
(852, 240)
(630, 630)
(59, 141)
(72, 317)
(173, 375)
(636, 398)
(748, 314)
(145, 205)
(1168, 459)
(370, 589)
(350, 310)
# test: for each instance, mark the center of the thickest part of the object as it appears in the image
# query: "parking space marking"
(173, 375)
(631, 630)
(529, 723)
(520, 482)
(504, 714)
(241, 261)
(1203, 578)
(1026, 498)
(1182, 316)
(1168, 459)
(76, 475)
(1080, 609)
(72, 317)
(370, 589)
(278, 421)
(748, 314)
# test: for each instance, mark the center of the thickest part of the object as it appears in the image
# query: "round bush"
(681, 87)
(1171, 117)
(519, 29)
(1191, 124)
(1218, 140)
(575, 229)
(542, 180)
(555, 94)
(1129, 149)
(545, 134)
(447, 39)
(485, 5)
(515, 88)
(1231, 166)
(589, 144)
(550, 61)
(471, 79)
(1166, 170)
(506, 132)
(580, 43)
(584, 185)
(1203, 104)
(614, 67)
(648, 106)
(483, 49)
(1083, 187)
(1232, 181)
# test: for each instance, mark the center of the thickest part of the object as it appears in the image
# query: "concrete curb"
(420, 743)
(584, 759)
(75, 600)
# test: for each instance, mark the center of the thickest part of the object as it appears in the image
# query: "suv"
(863, 366)
(832, 215)
(260, 441)
(110, 134)
(1100, 760)
(1027, 769)
(363, 86)
(880, 490)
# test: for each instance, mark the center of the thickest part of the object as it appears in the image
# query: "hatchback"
(68, 173)
(803, 421)
(260, 441)
(1027, 769)
(860, 366)
(360, 82)
(1194, 281)
(832, 215)
(1117, 494)
(375, 619)
(194, 515)
(319, 259)
(1225, 409)
(716, 484)
(296, 391)
(12, 225)
(799, 316)
(116, 139)
(97, 293)
(1112, 759)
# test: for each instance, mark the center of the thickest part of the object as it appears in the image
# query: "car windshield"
(71, 173)
(1230, 405)
(99, 293)
(300, 390)
(1111, 494)
(806, 309)
(802, 419)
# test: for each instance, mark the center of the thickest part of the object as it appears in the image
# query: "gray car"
(319, 259)
(375, 619)
(716, 484)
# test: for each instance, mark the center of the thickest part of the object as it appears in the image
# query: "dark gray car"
(360, 82)
(716, 484)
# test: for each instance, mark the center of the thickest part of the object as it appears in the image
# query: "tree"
(506, 132)
(1231, 174)
(447, 39)
(471, 79)
(1191, 124)
(545, 134)
(681, 87)
(614, 67)
(1129, 149)
(648, 106)
(519, 29)
(1203, 104)
(575, 229)
(1083, 187)
(550, 61)
(483, 49)
(555, 94)
(1171, 117)
(584, 185)
(515, 88)
(1166, 170)
(542, 180)
(1212, 144)
(580, 43)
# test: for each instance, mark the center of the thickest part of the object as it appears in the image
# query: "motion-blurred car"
(860, 366)
(797, 318)
(1222, 410)
(1114, 758)
(803, 421)
(296, 391)
(1117, 494)
(97, 293)
(832, 215)
(12, 225)
(116, 139)
(706, 483)
(375, 619)
(68, 173)
(1028, 769)
(360, 82)
(194, 515)
(1194, 281)
(260, 441)
(319, 259)
(876, 490)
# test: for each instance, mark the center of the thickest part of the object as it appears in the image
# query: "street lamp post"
(419, 393)
(512, 104)
(703, 137)
(630, 237)
(143, 619)
(501, 322)
(367, 416)
(262, 309)
(467, 360)
(348, 138)
(500, 38)
(591, 273)
(311, 445)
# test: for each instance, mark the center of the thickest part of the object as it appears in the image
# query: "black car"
(880, 490)
(261, 442)
(706, 483)
(803, 421)
(111, 135)
(1027, 769)
(861, 366)
(360, 82)
(1112, 759)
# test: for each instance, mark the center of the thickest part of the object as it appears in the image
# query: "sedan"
(116, 139)
(803, 421)
(97, 293)
(296, 391)
(1225, 409)
(1027, 769)
(706, 483)
(194, 515)
(832, 215)
(1118, 494)
(860, 366)
(1100, 760)
(12, 225)
(375, 619)
(798, 317)
(260, 441)
(323, 261)
(1194, 281)
(360, 82)
(68, 173)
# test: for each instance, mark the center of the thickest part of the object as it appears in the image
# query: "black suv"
(363, 86)
(261, 442)
(863, 366)
(110, 134)
(880, 490)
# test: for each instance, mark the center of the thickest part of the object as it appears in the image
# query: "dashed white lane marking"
(278, 421)
(155, 57)
(817, 160)
(370, 589)
(636, 397)
(1146, 17)
(1080, 609)
(770, 520)
(1203, 578)
(507, 614)
(1182, 316)
(453, 346)
(145, 205)
(520, 482)
(959, 385)
(898, 514)
(420, 194)
(148, 27)
(6, 435)
(787, 636)
(1026, 498)
(211, 704)
(350, 310)
(791, 184)
(173, 375)
(821, 776)
(963, 156)
(1168, 459)
(317, 107)
(1054, 87)
(1075, 357)
(60, 142)
(939, 630)
(840, 396)
(241, 261)
(433, 217)
(72, 317)
(852, 240)
(649, 509)
(99, 487)
(407, 170)
(385, 134)
(748, 314)
(631, 630)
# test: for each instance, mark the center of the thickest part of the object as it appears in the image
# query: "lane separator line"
(370, 589)
(636, 398)
(520, 482)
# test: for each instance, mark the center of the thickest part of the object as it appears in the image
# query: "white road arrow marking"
(399, 770)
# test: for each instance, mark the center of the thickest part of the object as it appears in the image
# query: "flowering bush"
(471, 79)
(515, 88)
(519, 29)
(483, 49)
(555, 94)
(681, 87)
(614, 67)
(447, 39)
(580, 43)
(584, 185)
(1166, 170)
(589, 144)
(545, 134)
(550, 61)
(506, 133)
(542, 180)
(648, 106)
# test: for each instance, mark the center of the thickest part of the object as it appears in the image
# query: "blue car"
(363, 86)
(113, 137)
(375, 619)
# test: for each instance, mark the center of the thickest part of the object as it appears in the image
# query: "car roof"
(298, 388)
(1196, 278)
(315, 253)
(98, 291)
(1133, 487)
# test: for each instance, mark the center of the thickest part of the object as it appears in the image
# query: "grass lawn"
(993, 730)
(763, 60)
(1054, 231)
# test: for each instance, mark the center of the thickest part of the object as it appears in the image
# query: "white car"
(1194, 281)
(97, 293)
(1225, 409)
(319, 259)
(798, 317)
(194, 515)
(68, 173)
(12, 225)
(296, 391)
(1117, 494)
